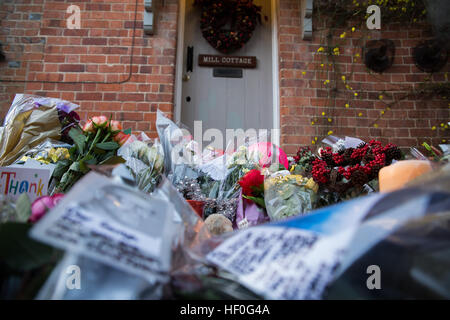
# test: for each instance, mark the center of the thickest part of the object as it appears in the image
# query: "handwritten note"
(113, 224)
(282, 263)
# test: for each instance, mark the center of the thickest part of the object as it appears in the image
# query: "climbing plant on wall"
(346, 43)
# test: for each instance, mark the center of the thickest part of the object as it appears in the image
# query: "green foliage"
(111, 145)
(89, 149)
(18, 251)
(23, 208)
(78, 138)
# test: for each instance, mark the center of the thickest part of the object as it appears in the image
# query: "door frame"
(275, 68)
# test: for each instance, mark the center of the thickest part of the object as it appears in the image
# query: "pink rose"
(267, 151)
(41, 205)
(100, 121)
(88, 127)
(121, 138)
(115, 125)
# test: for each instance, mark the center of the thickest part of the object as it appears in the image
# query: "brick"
(71, 68)
(89, 96)
(94, 41)
(131, 97)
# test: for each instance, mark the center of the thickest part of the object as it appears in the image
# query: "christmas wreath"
(352, 167)
(228, 25)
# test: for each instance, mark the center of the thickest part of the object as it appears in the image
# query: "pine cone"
(393, 153)
(328, 158)
(361, 145)
(347, 155)
(341, 188)
(333, 176)
(368, 157)
(374, 172)
(359, 178)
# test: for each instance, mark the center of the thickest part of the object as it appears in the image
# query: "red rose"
(252, 182)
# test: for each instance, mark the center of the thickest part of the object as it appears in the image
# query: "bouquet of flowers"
(289, 195)
(145, 160)
(96, 143)
(252, 185)
(30, 121)
(302, 162)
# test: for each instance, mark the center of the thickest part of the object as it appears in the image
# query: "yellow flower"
(443, 140)
(342, 36)
(303, 73)
(326, 82)
(360, 114)
(312, 122)
(323, 113)
(313, 142)
(322, 65)
(353, 29)
(356, 94)
(315, 138)
(442, 124)
(357, 55)
(382, 112)
(380, 97)
(329, 119)
(330, 132)
(321, 49)
(347, 105)
(343, 78)
(312, 185)
(375, 125)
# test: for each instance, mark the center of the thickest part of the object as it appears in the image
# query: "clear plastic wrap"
(177, 147)
(289, 195)
(327, 254)
(145, 160)
(112, 223)
(7, 210)
(30, 121)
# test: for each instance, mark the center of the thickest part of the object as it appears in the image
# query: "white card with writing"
(114, 224)
(290, 260)
(282, 263)
(15, 180)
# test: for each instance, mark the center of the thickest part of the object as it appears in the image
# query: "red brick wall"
(45, 49)
(40, 47)
(304, 96)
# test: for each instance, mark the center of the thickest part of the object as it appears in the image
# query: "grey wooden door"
(228, 103)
